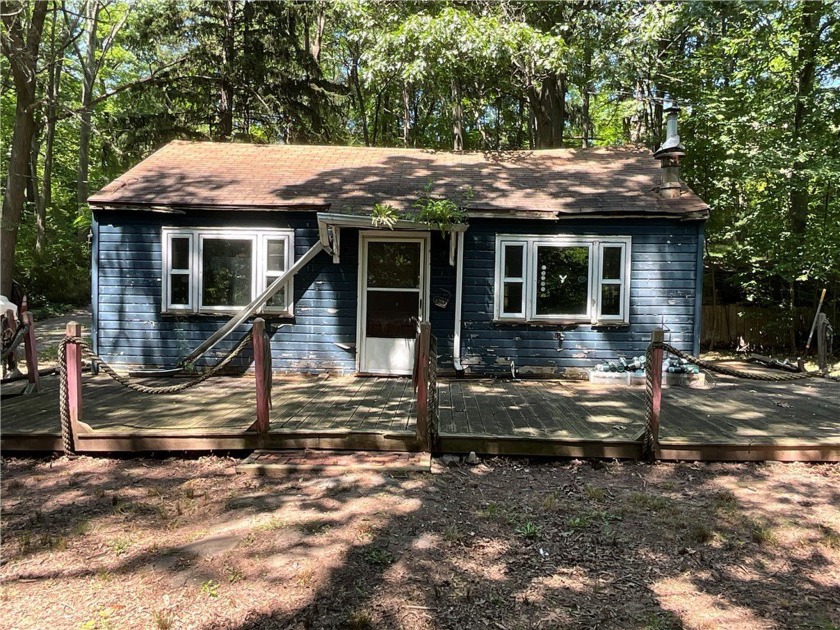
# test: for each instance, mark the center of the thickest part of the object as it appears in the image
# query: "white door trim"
(366, 236)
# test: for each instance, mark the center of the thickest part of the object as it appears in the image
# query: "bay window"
(216, 270)
(562, 279)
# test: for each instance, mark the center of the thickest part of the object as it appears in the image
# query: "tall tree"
(23, 25)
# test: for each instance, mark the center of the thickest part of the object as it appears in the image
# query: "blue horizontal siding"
(662, 291)
(131, 330)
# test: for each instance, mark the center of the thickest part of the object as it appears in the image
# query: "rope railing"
(653, 383)
(88, 353)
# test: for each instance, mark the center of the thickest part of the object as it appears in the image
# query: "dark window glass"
(513, 298)
(562, 280)
(226, 272)
(612, 263)
(278, 300)
(180, 253)
(276, 255)
(611, 299)
(392, 314)
(179, 289)
(513, 261)
(394, 265)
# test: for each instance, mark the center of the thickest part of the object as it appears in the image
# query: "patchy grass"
(508, 543)
(529, 530)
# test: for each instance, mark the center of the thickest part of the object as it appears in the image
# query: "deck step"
(279, 463)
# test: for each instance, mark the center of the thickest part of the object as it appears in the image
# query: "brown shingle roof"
(352, 179)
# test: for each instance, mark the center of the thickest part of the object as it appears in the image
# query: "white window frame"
(501, 256)
(168, 272)
(259, 261)
(596, 245)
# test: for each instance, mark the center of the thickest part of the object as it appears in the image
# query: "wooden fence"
(732, 326)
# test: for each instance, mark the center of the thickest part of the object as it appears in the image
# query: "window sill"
(540, 323)
(225, 313)
(560, 323)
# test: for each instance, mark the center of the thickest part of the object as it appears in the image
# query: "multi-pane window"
(220, 270)
(562, 279)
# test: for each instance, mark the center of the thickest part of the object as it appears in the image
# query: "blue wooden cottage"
(568, 257)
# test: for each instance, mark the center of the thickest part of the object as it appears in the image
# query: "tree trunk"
(360, 98)
(21, 47)
(89, 71)
(586, 126)
(457, 116)
(806, 62)
(225, 80)
(54, 72)
(406, 115)
(549, 111)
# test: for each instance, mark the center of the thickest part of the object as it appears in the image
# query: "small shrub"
(550, 502)
(529, 530)
(315, 528)
(163, 620)
(272, 524)
(379, 556)
(830, 538)
(81, 528)
(359, 620)
(645, 501)
(762, 534)
(493, 510)
(724, 501)
(304, 577)
(210, 588)
(594, 492)
(452, 533)
(699, 533)
(581, 521)
(233, 574)
(120, 545)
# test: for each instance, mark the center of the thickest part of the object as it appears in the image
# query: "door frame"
(366, 236)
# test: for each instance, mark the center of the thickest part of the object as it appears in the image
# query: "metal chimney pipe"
(669, 155)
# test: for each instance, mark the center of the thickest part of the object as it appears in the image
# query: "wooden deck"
(306, 412)
(733, 420)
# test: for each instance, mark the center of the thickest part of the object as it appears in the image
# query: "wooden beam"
(31, 349)
(656, 337)
(260, 372)
(74, 381)
(422, 350)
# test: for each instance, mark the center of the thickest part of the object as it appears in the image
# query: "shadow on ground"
(506, 544)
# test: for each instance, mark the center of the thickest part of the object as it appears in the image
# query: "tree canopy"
(90, 87)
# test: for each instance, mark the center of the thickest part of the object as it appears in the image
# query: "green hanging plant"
(384, 215)
(441, 213)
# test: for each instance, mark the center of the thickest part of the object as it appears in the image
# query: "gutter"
(459, 298)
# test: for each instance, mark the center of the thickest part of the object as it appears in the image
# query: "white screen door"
(392, 291)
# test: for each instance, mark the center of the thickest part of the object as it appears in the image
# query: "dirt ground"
(142, 543)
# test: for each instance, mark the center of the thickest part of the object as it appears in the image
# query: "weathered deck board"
(733, 420)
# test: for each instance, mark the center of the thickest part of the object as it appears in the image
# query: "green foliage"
(384, 215)
(529, 530)
(758, 82)
(440, 213)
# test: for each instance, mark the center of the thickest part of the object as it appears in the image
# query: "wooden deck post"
(31, 350)
(423, 339)
(657, 336)
(258, 332)
(74, 381)
(822, 341)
